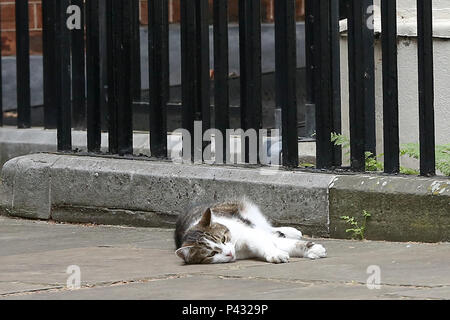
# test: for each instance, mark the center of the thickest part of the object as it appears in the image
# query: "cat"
(237, 230)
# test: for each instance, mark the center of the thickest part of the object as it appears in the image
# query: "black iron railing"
(74, 61)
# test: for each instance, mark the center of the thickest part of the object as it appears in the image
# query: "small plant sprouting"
(411, 150)
(358, 232)
(442, 155)
(372, 162)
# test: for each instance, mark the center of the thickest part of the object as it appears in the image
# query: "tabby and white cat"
(237, 230)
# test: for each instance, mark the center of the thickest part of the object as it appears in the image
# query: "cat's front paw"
(278, 256)
(316, 251)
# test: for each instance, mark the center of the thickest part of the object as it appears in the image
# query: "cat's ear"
(183, 252)
(206, 219)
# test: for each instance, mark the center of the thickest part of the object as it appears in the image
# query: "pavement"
(139, 263)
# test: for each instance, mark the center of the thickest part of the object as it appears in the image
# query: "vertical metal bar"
(93, 75)
(158, 44)
(23, 65)
(119, 76)
(78, 71)
(111, 13)
(323, 87)
(63, 73)
(426, 87)
(361, 82)
(189, 67)
(136, 50)
(310, 20)
(390, 86)
(286, 69)
(203, 64)
(310, 53)
(49, 58)
(369, 74)
(356, 98)
(250, 65)
(123, 80)
(104, 55)
(221, 69)
(1, 80)
(335, 38)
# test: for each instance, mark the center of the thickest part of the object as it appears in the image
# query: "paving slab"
(15, 288)
(441, 293)
(139, 263)
(101, 265)
(214, 288)
(28, 236)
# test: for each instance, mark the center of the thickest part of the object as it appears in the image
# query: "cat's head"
(207, 242)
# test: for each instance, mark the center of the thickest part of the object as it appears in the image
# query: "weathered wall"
(401, 208)
(408, 75)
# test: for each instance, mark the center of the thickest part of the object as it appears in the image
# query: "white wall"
(408, 83)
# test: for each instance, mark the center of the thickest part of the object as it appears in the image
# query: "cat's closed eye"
(212, 254)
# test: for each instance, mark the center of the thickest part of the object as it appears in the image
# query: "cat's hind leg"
(253, 214)
(301, 249)
(288, 232)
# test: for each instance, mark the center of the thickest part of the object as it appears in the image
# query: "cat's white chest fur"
(261, 240)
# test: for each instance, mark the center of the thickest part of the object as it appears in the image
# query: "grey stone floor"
(138, 263)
